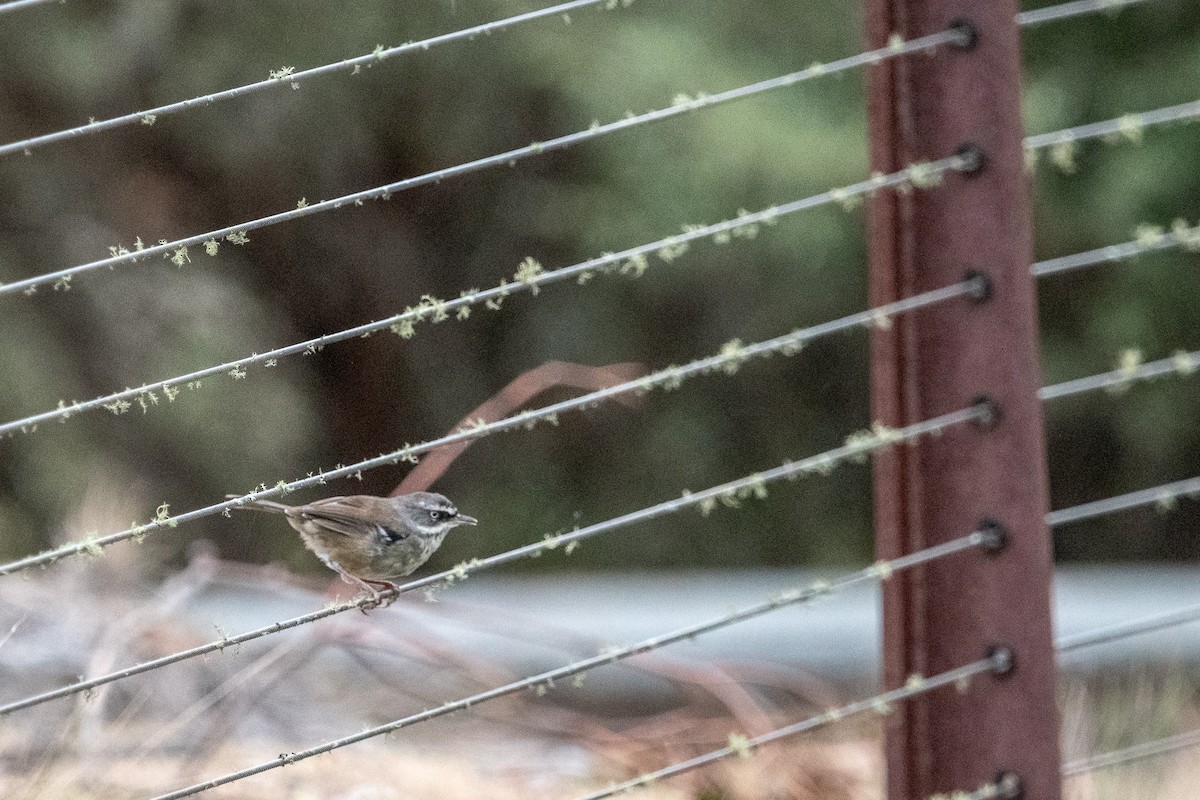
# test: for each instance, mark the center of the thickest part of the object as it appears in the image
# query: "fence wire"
(1006, 785)
(751, 485)
(1182, 364)
(667, 378)
(732, 355)
(916, 686)
(1073, 9)
(1128, 127)
(630, 261)
(1151, 241)
(1138, 752)
(293, 78)
(1124, 630)
(17, 5)
(354, 65)
(732, 492)
(998, 662)
(237, 233)
(508, 158)
(1163, 496)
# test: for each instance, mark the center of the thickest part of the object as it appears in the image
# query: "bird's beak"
(463, 519)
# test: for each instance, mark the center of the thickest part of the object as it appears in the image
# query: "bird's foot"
(379, 597)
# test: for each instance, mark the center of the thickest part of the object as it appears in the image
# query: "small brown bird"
(370, 541)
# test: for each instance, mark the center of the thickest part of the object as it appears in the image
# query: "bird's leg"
(377, 598)
(384, 596)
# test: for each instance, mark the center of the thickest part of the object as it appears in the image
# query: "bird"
(371, 541)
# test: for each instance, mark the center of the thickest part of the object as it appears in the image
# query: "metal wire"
(732, 355)
(1158, 747)
(667, 377)
(1065, 10)
(1128, 126)
(996, 663)
(1180, 237)
(595, 266)
(508, 158)
(349, 65)
(1138, 121)
(751, 483)
(466, 569)
(915, 687)
(1124, 630)
(353, 65)
(146, 393)
(16, 5)
(1162, 495)
(1182, 364)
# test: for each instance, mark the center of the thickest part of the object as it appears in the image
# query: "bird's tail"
(262, 505)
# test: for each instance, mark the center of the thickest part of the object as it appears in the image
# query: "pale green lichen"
(1129, 361)
(1186, 363)
(1131, 127)
(848, 200)
(740, 745)
(671, 249)
(881, 570)
(924, 175)
(1062, 156)
(734, 355)
(1149, 236)
(636, 265)
(1186, 235)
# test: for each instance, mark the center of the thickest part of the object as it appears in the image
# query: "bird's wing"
(352, 516)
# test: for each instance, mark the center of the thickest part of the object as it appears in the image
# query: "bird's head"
(430, 514)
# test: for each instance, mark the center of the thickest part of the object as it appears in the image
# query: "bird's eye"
(435, 515)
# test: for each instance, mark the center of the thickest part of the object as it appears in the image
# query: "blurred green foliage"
(65, 204)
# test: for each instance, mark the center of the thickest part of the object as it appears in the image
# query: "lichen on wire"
(293, 78)
(1149, 238)
(915, 686)
(742, 746)
(174, 249)
(529, 277)
(730, 494)
(1181, 364)
(1163, 497)
(666, 379)
(1063, 145)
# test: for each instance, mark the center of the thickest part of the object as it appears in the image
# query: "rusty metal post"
(946, 614)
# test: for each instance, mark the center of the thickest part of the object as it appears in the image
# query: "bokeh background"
(240, 159)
